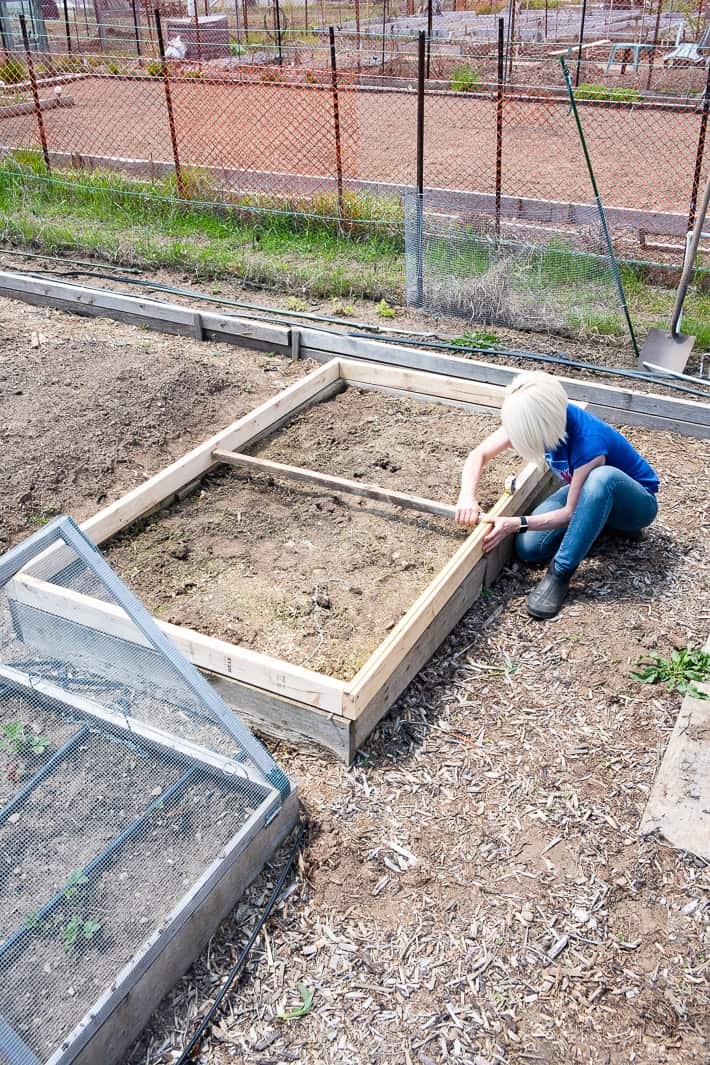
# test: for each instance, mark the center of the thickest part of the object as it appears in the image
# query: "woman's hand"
(467, 512)
(498, 529)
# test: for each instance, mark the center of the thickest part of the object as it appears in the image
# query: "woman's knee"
(531, 547)
(599, 481)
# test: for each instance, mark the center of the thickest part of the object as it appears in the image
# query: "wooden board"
(423, 615)
(275, 696)
(679, 804)
(619, 405)
(335, 484)
(154, 492)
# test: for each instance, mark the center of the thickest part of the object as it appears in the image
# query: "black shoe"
(547, 597)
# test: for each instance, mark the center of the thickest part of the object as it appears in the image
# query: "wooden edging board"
(276, 696)
(617, 404)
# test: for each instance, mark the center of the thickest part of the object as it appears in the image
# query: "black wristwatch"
(523, 523)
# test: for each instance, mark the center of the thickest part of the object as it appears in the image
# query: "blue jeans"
(609, 498)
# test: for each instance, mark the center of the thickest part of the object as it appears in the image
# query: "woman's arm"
(554, 519)
(467, 509)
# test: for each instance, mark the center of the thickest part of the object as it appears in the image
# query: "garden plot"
(310, 607)
(126, 832)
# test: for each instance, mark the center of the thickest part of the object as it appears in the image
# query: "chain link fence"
(304, 128)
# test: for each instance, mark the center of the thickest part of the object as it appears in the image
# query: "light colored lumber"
(679, 804)
(336, 484)
(621, 406)
(133, 726)
(423, 613)
(432, 384)
(316, 385)
(217, 656)
(284, 719)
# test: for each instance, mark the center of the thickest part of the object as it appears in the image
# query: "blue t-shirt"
(587, 438)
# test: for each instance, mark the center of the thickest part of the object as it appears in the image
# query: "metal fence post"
(336, 122)
(499, 121)
(136, 30)
(277, 27)
(581, 42)
(67, 27)
(169, 104)
(699, 154)
(429, 22)
(420, 166)
(35, 93)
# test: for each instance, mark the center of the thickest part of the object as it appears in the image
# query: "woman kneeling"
(606, 484)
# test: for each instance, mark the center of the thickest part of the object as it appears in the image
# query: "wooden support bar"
(336, 484)
(33, 684)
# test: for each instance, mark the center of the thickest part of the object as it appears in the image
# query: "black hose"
(199, 1033)
(494, 352)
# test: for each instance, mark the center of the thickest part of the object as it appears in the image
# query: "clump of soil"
(305, 574)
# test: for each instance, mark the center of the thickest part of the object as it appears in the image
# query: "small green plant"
(477, 338)
(114, 68)
(342, 310)
(235, 48)
(195, 75)
(680, 672)
(587, 91)
(465, 79)
(306, 1004)
(77, 929)
(154, 68)
(293, 303)
(384, 310)
(74, 927)
(12, 71)
(15, 737)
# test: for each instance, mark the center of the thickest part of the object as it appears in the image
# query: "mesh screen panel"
(521, 276)
(123, 778)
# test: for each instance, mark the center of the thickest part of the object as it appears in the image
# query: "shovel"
(670, 350)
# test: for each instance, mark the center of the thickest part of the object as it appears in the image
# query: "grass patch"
(131, 222)
(588, 91)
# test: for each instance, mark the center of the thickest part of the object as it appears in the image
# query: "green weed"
(680, 672)
(477, 338)
(588, 91)
(17, 739)
(465, 79)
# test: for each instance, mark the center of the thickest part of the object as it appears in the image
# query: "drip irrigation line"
(223, 301)
(59, 259)
(557, 360)
(400, 337)
(190, 1050)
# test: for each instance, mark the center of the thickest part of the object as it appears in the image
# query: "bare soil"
(280, 138)
(474, 888)
(299, 572)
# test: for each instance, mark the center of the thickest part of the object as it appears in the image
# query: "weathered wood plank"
(219, 657)
(679, 804)
(336, 484)
(619, 405)
(424, 612)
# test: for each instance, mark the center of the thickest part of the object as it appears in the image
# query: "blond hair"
(534, 414)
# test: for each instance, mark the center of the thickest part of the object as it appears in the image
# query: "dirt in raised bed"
(52, 980)
(301, 573)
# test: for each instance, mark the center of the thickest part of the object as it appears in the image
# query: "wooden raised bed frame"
(275, 696)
